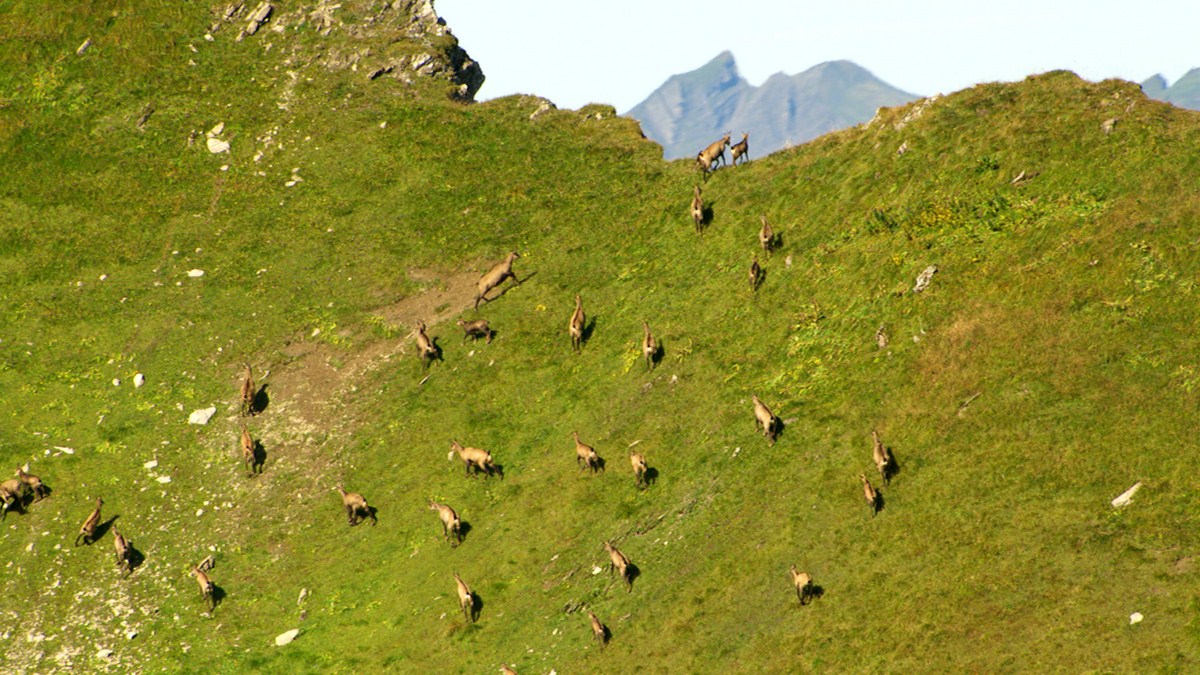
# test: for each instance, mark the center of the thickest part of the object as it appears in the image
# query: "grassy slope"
(1066, 301)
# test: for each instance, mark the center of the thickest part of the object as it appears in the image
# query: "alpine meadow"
(189, 189)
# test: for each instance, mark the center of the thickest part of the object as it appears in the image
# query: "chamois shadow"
(706, 214)
(103, 529)
(760, 279)
(260, 401)
(880, 502)
(218, 594)
(464, 528)
(816, 592)
(588, 329)
(600, 465)
(476, 608)
(373, 514)
(651, 476)
(437, 351)
(606, 637)
(632, 572)
(498, 469)
(656, 356)
(892, 469)
(779, 426)
(136, 558)
(258, 458)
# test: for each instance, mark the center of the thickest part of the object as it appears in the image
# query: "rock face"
(693, 109)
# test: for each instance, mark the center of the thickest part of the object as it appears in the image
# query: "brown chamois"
(741, 149)
(649, 346)
(766, 236)
(620, 562)
(87, 531)
(697, 209)
(466, 599)
(475, 329)
(883, 458)
(599, 631)
(249, 457)
(755, 273)
(506, 669)
(480, 460)
(451, 525)
(495, 276)
(575, 327)
(356, 507)
(639, 468)
(429, 351)
(248, 391)
(803, 584)
(764, 418)
(870, 494)
(708, 158)
(124, 552)
(206, 588)
(585, 455)
(34, 483)
(12, 491)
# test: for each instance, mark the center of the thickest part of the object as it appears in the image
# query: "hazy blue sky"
(618, 51)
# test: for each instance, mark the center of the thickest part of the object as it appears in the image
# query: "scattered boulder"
(924, 278)
(1125, 497)
(257, 18)
(84, 47)
(284, 638)
(202, 416)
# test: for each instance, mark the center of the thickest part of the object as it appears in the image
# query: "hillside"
(1049, 365)
(692, 109)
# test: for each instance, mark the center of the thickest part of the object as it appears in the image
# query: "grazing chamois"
(741, 149)
(575, 327)
(756, 273)
(639, 468)
(206, 588)
(715, 152)
(475, 329)
(480, 460)
(883, 458)
(429, 351)
(451, 525)
(249, 457)
(870, 494)
(466, 599)
(87, 531)
(763, 417)
(766, 236)
(599, 631)
(495, 276)
(585, 455)
(649, 346)
(697, 209)
(248, 391)
(34, 483)
(356, 507)
(12, 491)
(620, 562)
(804, 585)
(124, 552)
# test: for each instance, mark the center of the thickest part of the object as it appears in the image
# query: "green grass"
(1065, 302)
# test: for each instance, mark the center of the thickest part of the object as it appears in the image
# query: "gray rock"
(924, 278)
(284, 638)
(202, 416)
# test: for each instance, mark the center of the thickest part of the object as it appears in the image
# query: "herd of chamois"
(26, 488)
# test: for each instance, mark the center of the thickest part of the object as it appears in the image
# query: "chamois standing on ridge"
(870, 494)
(697, 209)
(356, 506)
(206, 588)
(804, 586)
(451, 525)
(34, 483)
(649, 346)
(480, 460)
(708, 158)
(585, 455)
(620, 562)
(124, 552)
(495, 276)
(429, 351)
(248, 391)
(638, 461)
(766, 236)
(764, 418)
(475, 329)
(575, 327)
(741, 149)
(87, 531)
(466, 599)
(882, 457)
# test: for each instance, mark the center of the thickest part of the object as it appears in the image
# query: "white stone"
(104, 653)
(151, 464)
(164, 479)
(596, 570)
(116, 381)
(131, 634)
(196, 273)
(924, 278)
(284, 638)
(202, 416)
(1136, 617)
(138, 380)
(216, 146)
(1127, 496)
(216, 131)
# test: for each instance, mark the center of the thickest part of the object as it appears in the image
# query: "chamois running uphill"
(475, 330)
(620, 562)
(356, 506)
(428, 350)
(697, 209)
(709, 157)
(804, 586)
(638, 461)
(495, 276)
(599, 630)
(766, 236)
(741, 149)
(248, 391)
(451, 525)
(466, 599)
(870, 494)
(575, 327)
(649, 346)
(585, 455)
(87, 531)
(124, 552)
(207, 590)
(882, 458)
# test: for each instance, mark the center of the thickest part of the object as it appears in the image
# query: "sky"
(619, 51)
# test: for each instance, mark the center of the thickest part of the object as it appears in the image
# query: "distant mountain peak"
(1185, 93)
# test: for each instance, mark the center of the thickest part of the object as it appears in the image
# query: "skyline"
(603, 54)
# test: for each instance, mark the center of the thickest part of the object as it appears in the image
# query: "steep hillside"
(1047, 367)
(691, 110)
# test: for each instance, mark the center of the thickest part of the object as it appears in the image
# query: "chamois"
(250, 457)
(12, 491)
(756, 274)
(697, 209)
(495, 276)
(804, 585)
(708, 157)
(87, 531)
(507, 670)
(474, 329)
(620, 562)
(766, 236)
(356, 507)
(599, 631)
(585, 455)
(481, 460)
(466, 599)
(124, 552)
(451, 525)
(248, 391)
(883, 458)
(575, 327)
(429, 351)
(649, 346)
(639, 468)
(34, 483)
(206, 587)
(870, 494)
(741, 149)
(763, 417)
